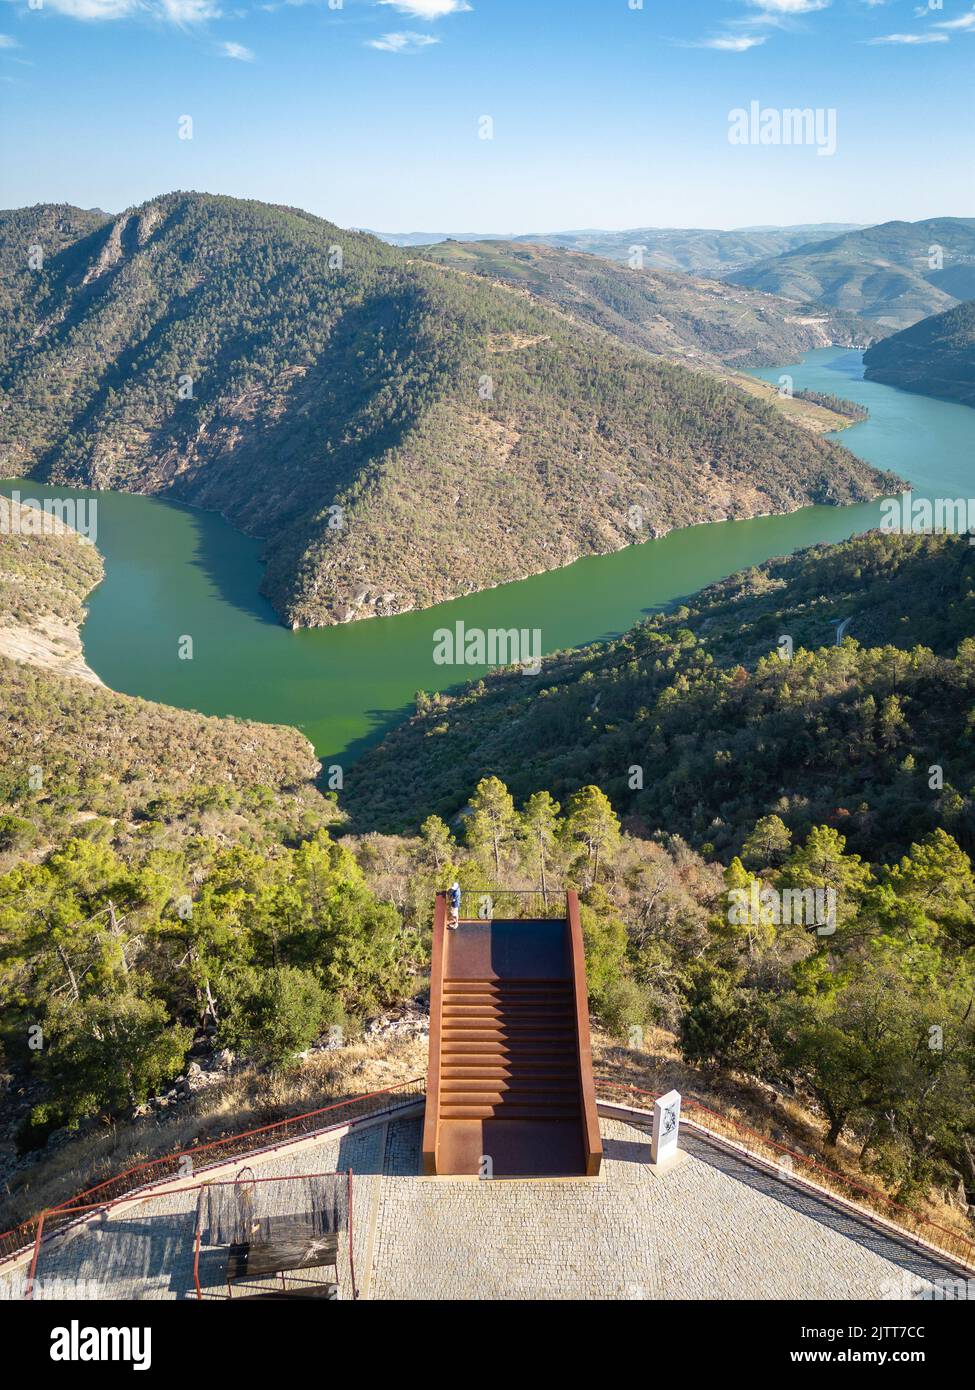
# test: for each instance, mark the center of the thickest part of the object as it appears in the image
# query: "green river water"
(171, 571)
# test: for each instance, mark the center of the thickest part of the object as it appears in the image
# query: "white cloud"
(189, 11)
(428, 9)
(238, 51)
(967, 21)
(7, 42)
(790, 6)
(402, 43)
(764, 16)
(732, 43)
(176, 11)
(910, 38)
(94, 9)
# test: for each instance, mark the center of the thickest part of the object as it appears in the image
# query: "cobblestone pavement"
(713, 1227)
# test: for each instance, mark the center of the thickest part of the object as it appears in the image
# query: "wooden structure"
(510, 1090)
(294, 1243)
(265, 1242)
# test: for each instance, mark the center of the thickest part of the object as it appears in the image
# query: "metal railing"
(810, 1170)
(511, 904)
(188, 1163)
(185, 1164)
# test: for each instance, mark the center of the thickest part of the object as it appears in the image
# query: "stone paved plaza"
(712, 1227)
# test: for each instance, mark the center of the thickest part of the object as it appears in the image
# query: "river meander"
(172, 571)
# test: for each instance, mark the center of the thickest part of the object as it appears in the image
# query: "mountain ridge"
(883, 272)
(694, 250)
(397, 435)
(686, 318)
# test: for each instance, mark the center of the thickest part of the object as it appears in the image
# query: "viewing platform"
(509, 1172)
(510, 1090)
(720, 1225)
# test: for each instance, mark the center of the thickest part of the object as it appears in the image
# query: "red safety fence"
(185, 1163)
(954, 1243)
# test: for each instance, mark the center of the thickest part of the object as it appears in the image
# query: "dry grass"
(811, 416)
(246, 1100)
(782, 1119)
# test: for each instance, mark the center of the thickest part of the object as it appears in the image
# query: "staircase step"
(508, 1049)
(510, 1083)
(508, 1020)
(519, 1007)
(508, 1110)
(506, 1032)
(518, 1014)
(540, 1085)
(474, 1070)
(487, 1015)
(508, 1037)
(543, 1104)
(511, 1050)
(506, 1024)
(509, 988)
(541, 984)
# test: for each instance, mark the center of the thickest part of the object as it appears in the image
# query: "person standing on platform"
(453, 903)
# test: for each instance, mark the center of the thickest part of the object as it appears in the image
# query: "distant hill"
(935, 356)
(724, 730)
(883, 273)
(699, 251)
(702, 322)
(397, 433)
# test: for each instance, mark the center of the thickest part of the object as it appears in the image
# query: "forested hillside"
(935, 356)
(397, 434)
(157, 872)
(695, 725)
(895, 273)
(172, 885)
(702, 322)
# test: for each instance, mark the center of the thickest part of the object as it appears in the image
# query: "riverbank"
(172, 572)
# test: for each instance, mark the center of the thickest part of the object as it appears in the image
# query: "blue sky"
(606, 113)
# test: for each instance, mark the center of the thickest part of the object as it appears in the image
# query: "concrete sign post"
(666, 1122)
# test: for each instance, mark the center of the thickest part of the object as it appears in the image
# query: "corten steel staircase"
(510, 1075)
